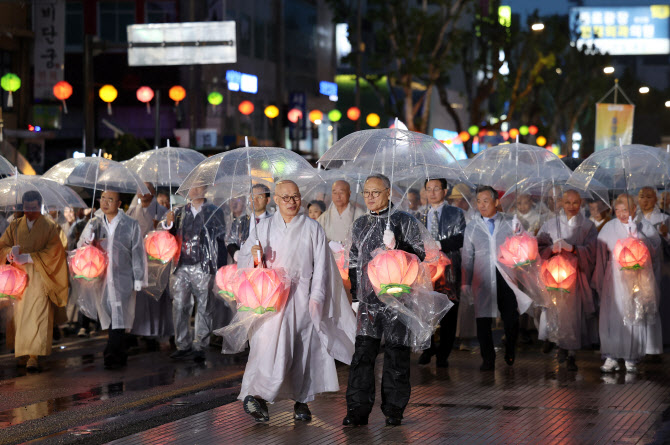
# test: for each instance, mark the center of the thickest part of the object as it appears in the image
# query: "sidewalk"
(536, 401)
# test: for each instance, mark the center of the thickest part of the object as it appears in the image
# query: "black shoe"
(562, 355)
(256, 408)
(301, 412)
(442, 363)
(199, 356)
(183, 354)
(487, 366)
(425, 357)
(572, 366)
(509, 359)
(547, 346)
(393, 421)
(354, 420)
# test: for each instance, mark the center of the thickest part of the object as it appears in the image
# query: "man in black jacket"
(446, 225)
(200, 228)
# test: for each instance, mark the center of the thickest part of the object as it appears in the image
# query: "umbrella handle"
(166, 227)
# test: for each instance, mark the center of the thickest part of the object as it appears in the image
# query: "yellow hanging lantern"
(108, 94)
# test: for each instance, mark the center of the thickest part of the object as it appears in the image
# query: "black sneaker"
(572, 366)
(393, 421)
(353, 420)
(301, 412)
(183, 354)
(199, 356)
(256, 408)
(425, 357)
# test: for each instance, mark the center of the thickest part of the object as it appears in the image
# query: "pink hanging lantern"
(631, 253)
(225, 281)
(560, 272)
(161, 246)
(88, 263)
(437, 267)
(518, 251)
(260, 290)
(393, 272)
(13, 282)
(145, 95)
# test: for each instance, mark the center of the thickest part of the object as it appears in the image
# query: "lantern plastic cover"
(559, 275)
(407, 318)
(85, 291)
(637, 275)
(96, 172)
(161, 253)
(260, 293)
(54, 196)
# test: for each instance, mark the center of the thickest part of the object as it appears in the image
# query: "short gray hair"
(384, 179)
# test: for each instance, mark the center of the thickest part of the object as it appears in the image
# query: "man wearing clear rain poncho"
(120, 237)
(575, 235)
(292, 351)
(369, 234)
(630, 326)
(484, 283)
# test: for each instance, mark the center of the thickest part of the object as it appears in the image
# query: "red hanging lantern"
(437, 267)
(13, 282)
(177, 93)
(246, 107)
(62, 90)
(631, 253)
(533, 130)
(88, 263)
(393, 272)
(560, 272)
(260, 290)
(161, 246)
(224, 281)
(145, 95)
(294, 115)
(518, 251)
(353, 113)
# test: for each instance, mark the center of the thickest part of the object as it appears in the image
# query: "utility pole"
(89, 96)
(359, 53)
(279, 75)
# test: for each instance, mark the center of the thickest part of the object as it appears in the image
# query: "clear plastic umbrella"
(53, 196)
(96, 173)
(165, 167)
(623, 169)
(504, 165)
(6, 168)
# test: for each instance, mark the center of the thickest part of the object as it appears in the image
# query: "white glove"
(13, 254)
(632, 227)
(236, 256)
(315, 311)
(23, 258)
(137, 285)
(389, 239)
(516, 225)
(466, 294)
(561, 245)
(336, 246)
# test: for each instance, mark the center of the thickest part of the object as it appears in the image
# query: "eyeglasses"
(109, 200)
(373, 193)
(287, 198)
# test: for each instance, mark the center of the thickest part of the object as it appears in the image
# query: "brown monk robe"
(47, 283)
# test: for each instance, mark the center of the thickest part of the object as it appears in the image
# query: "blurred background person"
(315, 208)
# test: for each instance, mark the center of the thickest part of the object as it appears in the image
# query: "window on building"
(74, 26)
(161, 11)
(113, 18)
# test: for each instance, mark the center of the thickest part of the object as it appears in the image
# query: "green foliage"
(124, 147)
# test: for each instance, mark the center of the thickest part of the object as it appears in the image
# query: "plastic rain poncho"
(407, 319)
(578, 304)
(479, 261)
(620, 338)
(291, 353)
(122, 241)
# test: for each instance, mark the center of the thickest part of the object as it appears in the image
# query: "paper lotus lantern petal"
(518, 250)
(260, 290)
(437, 266)
(224, 281)
(559, 272)
(631, 253)
(393, 272)
(88, 263)
(13, 282)
(161, 246)
(344, 273)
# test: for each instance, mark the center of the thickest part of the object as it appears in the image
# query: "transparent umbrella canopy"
(504, 165)
(165, 167)
(6, 167)
(52, 195)
(623, 169)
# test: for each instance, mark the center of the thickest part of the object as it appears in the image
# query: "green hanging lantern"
(10, 82)
(215, 98)
(334, 115)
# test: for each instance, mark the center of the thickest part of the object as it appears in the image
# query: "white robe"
(573, 307)
(337, 225)
(289, 359)
(616, 339)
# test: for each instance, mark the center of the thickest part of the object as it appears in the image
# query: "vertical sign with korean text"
(614, 123)
(48, 58)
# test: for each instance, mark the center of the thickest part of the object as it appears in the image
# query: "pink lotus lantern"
(260, 290)
(161, 246)
(631, 253)
(437, 267)
(560, 272)
(518, 251)
(339, 260)
(13, 282)
(88, 263)
(224, 281)
(393, 272)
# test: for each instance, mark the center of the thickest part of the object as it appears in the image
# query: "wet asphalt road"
(75, 400)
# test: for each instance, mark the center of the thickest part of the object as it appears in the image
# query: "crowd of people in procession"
(292, 355)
